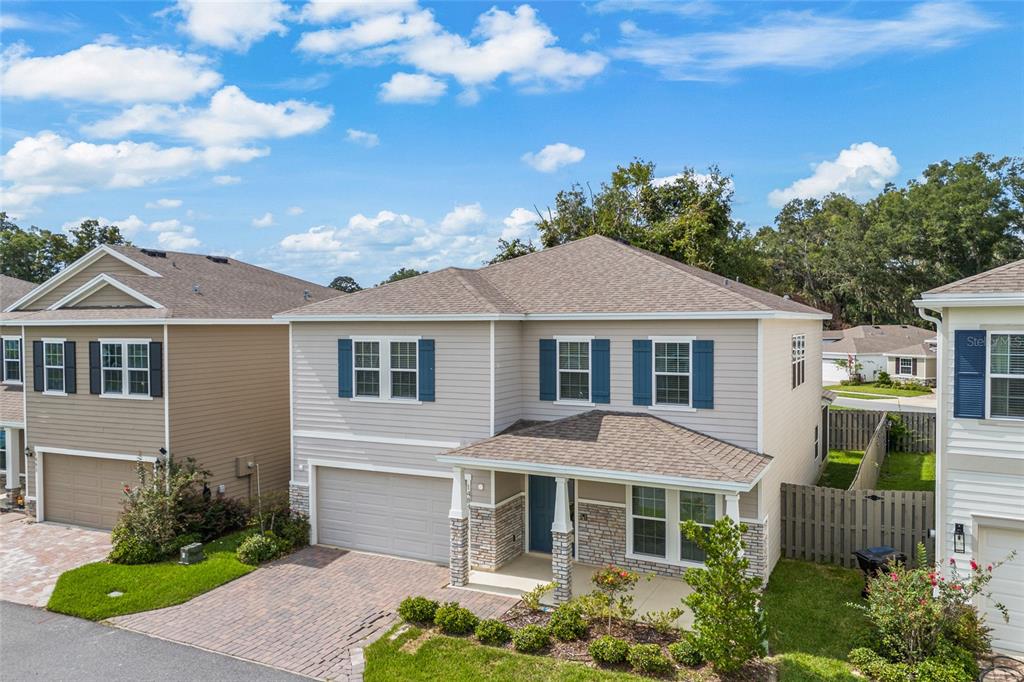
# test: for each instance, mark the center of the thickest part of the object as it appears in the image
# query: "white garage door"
(384, 513)
(995, 544)
(831, 374)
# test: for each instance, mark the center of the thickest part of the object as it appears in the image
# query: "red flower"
(989, 568)
(957, 587)
(952, 561)
(974, 565)
(894, 577)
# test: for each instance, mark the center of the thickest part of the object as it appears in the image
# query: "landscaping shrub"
(612, 595)
(454, 619)
(567, 623)
(127, 548)
(260, 547)
(685, 651)
(532, 598)
(608, 650)
(937, 669)
(663, 621)
(493, 632)
(728, 625)
(647, 658)
(272, 512)
(418, 610)
(294, 529)
(209, 519)
(884, 380)
(530, 639)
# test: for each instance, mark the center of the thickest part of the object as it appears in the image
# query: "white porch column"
(732, 507)
(561, 543)
(458, 551)
(13, 447)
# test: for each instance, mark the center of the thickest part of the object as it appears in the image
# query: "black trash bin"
(875, 559)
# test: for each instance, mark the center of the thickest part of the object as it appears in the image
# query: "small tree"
(613, 587)
(346, 284)
(852, 367)
(727, 621)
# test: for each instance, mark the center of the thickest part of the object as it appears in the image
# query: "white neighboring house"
(980, 434)
(869, 344)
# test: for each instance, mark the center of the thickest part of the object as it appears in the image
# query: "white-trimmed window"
(654, 515)
(574, 369)
(53, 365)
(799, 355)
(124, 367)
(672, 371)
(386, 368)
(12, 360)
(905, 366)
(1006, 376)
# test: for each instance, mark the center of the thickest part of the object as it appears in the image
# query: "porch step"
(512, 585)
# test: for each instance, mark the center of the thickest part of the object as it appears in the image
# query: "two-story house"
(579, 402)
(12, 402)
(979, 472)
(132, 355)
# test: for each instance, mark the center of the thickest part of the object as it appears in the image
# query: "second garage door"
(384, 513)
(995, 544)
(85, 491)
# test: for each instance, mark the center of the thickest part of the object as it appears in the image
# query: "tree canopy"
(37, 254)
(402, 273)
(346, 284)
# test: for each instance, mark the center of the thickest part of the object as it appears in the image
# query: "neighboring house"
(128, 354)
(578, 402)
(980, 435)
(878, 348)
(12, 407)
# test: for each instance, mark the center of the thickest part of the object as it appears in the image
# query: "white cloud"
(231, 118)
(319, 239)
(519, 224)
(164, 203)
(323, 11)
(295, 210)
(554, 156)
(175, 235)
(226, 179)
(266, 220)
(801, 39)
(515, 45)
(361, 137)
(461, 217)
(48, 164)
(129, 226)
(690, 8)
(859, 171)
(233, 25)
(108, 73)
(412, 87)
(703, 179)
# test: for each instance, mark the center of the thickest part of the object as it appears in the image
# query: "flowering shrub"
(610, 596)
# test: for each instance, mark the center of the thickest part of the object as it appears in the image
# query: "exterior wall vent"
(153, 253)
(217, 259)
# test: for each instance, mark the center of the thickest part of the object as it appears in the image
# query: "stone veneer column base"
(458, 557)
(756, 550)
(298, 498)
(561, 565)
(496, 534)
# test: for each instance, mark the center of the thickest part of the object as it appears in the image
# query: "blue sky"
(324, 138)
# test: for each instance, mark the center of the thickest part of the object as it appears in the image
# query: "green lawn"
(908, 471)
(840, 468)
(811, 627)
(868, 390)
(83, 591)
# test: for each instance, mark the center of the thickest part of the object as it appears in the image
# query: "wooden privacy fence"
(852, 430)
(827, 525)
(874, 454)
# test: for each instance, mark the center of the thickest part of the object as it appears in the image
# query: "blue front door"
(542, 512)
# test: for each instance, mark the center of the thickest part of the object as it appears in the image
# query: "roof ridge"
(464, 276)
(974, 277)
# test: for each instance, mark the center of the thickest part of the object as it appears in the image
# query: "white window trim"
(798, 359)
(899, 366)
(63, 367)
(21, 361)
(559, 400)
(124, 394)
(672, 530)
(670, 407)
(989, 375)
(385, 369)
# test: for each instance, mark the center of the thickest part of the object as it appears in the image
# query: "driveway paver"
(33, 555)
(310, 613)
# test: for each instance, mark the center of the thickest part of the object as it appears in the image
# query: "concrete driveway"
(310, 613)
(33, 555)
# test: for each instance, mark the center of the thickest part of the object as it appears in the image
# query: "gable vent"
(153, 253)
(217, 259)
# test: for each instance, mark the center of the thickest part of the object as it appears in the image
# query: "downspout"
(940, 521)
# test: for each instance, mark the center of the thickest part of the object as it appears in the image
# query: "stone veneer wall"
(496, 535)
(30, 486)
(602, 540)
(298, 496)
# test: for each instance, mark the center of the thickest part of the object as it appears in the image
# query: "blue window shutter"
(969, 367)
(703, 375)
(641, 372)
(70, 368)
(38, 376)
(601, 371)
(95, 377)
(344, 368)
(548, 369)
(156, 369)
(426, 369)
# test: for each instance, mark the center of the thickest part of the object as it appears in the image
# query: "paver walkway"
(310, 613)
(33, 555)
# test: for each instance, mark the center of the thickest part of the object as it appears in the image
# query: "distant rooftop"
(878, 338)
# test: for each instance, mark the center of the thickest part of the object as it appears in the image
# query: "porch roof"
(618, 446)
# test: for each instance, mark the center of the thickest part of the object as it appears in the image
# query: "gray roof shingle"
(11, 289)
(1006, 279)
(879, 338)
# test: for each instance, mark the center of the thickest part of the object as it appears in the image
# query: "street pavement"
(39, 645)
(917, 404)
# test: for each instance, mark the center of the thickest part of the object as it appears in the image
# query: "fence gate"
(827, 525)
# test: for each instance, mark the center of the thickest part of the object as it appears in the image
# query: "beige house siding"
(12, 408)
(228, 398)
(507, 484)
(82, 421)
(734, 417)
(106, 263)
(925, 368)
(364, 432)
(790, 417)
(508, 387)
(108, 297)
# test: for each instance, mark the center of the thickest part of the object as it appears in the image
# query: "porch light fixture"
(959, 541)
